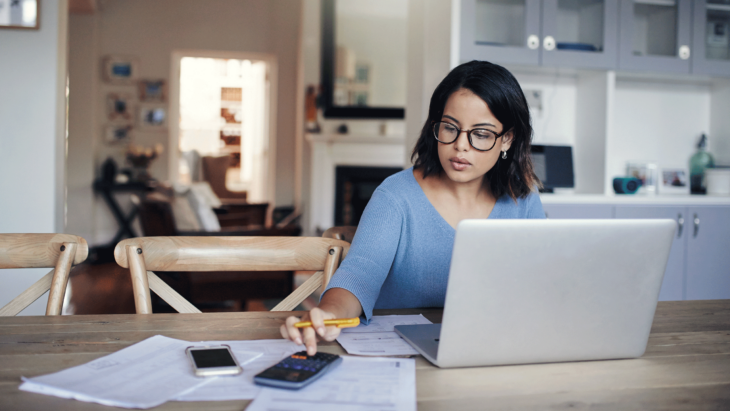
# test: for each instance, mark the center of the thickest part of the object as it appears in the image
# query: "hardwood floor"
(107, 289)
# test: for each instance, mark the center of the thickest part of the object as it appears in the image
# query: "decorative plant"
(140, 159)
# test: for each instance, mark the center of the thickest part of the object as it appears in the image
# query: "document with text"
(379, 337)
(143, 375)
(358, 383)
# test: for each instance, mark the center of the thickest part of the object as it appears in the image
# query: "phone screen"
(217, 357)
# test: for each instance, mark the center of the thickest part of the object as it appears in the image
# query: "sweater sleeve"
(372, 251)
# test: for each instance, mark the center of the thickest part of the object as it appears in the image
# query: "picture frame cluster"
(659, 180)
(136, 104)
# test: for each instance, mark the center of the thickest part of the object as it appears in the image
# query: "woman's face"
(461, 162)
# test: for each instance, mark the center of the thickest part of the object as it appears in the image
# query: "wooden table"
(686, 365)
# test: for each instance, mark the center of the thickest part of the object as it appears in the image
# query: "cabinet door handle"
(548, 43)
(533, 42)
(697, 225)
(684, 52)
(680, 223)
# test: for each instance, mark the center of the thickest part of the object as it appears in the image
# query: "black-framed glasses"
(481, 139)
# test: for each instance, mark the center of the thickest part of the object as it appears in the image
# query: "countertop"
(657, 199)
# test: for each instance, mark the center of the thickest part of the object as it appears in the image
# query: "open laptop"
(535, 291)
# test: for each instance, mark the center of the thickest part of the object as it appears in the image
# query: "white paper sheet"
(143, 375)
(379, 338)
(382, 384)
(241, 387)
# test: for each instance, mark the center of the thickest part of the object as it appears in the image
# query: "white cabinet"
(567, 33)
(674, 276)
(711, 37)
(708, 253)
(655, 35)
(563, 211)
(699, 262)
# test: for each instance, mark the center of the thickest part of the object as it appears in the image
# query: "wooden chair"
(344, 233)
(144, 255)
(61, 251)
(214, 172)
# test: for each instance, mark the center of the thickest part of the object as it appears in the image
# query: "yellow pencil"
(340, 323)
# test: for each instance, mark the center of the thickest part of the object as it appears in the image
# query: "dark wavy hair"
(498, 88)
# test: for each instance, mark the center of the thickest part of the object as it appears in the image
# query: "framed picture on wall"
(152, 90)
(20, 14)
(118, 134)
(152, 117)
(120, 69)
(673, 180)
(119, 107)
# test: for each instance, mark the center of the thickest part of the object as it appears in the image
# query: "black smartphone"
(209, 361)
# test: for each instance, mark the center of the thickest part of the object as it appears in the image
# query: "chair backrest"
(155, 216)
(143, 255)
(215, 170)
(61, 251)
(344, 233)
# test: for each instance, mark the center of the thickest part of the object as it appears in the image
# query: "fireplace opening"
(353, 188)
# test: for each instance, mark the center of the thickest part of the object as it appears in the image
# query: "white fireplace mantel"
(332, 150)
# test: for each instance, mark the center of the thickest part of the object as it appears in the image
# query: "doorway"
(221, 105)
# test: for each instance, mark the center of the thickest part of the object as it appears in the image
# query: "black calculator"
(298, 370)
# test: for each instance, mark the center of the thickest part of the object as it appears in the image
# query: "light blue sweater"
(401, 253)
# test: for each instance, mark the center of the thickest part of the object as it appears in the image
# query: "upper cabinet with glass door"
(711, 37)
(571, 33)
(655, 35)
(580, 33)
(501, 31)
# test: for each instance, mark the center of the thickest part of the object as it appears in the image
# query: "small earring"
(504, 155)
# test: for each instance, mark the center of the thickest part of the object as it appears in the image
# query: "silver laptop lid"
(529, 291)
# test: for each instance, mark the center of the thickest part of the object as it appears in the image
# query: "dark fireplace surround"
(353, 188)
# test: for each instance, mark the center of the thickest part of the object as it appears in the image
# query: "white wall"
(32, 134)
(151, 31)
(656, 122)
(83, 131)
(720, 122)
(429, 54)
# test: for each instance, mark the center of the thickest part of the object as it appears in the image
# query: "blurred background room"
(124, 118)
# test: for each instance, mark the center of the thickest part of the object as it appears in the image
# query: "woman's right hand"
(310, 335)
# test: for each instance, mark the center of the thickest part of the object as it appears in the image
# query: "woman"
(472, 160)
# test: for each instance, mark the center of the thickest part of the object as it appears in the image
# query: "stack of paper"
(358, 384)
(379, 337)
(157, 370)
(143, 375)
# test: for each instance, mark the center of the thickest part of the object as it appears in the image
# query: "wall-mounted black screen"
(553, 166)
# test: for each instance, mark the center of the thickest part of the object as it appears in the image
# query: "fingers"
(317, 317)
(310, 340)
(332, 332)
(290, 332)
(310, 335)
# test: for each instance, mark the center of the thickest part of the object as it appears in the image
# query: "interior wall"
(720, 123)
(83, 134)
(32, 137)
(311, 44)
(429, 54)
(656, 122)
(150, 31)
